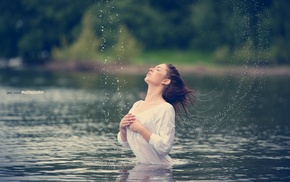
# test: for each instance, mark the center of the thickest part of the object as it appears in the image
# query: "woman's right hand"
(127, 120)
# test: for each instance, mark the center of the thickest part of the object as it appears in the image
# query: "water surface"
(239, 130)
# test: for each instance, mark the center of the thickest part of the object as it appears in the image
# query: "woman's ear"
(166, 81)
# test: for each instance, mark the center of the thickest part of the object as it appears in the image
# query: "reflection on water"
(141, 172)
(69, 132)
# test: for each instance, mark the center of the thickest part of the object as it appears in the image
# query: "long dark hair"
(177, 93)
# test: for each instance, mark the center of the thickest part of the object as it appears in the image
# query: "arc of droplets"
(240, 103)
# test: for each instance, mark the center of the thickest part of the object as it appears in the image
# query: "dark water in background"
(239, 131)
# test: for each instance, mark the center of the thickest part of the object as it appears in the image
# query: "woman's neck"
(154, 95)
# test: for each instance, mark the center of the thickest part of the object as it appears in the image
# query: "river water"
(239, 130)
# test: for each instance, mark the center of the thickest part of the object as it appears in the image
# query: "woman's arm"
(124, 123)
(138, 127)
(123, 134)
(163, 140)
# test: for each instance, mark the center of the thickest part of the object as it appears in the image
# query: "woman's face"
(157, 75)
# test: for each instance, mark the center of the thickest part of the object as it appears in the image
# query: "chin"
(146, 79)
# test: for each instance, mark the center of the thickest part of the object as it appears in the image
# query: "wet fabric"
(160, 120)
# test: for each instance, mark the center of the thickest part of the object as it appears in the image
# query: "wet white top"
(160, 120)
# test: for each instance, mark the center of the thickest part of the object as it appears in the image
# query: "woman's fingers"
(127, 120)
(129, 117)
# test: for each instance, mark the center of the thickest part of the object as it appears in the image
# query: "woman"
(149, 127)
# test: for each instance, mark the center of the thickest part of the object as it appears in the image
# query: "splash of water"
(211, 113)
(214, 114)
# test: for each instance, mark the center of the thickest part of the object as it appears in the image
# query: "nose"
(150, 69)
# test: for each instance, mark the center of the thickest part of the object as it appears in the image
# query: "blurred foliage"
(127, 47)
(231, 31)
(86, 46)
(31, 28)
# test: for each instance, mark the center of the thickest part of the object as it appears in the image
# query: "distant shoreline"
(198, 70)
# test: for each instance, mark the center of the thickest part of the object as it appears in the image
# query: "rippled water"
(69, 132)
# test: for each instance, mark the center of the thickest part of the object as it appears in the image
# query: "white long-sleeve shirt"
(160, 120)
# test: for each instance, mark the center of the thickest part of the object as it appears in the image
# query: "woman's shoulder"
(167, 107)
(137, 103)
(164, 110)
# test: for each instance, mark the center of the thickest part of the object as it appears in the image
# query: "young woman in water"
(149, 127)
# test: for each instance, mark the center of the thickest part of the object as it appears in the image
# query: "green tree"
(85, 48)
(225, 29)
(11, 28)
(158, 24)
(127, 47)
(280, 31)
(229, 28)
(34, 27)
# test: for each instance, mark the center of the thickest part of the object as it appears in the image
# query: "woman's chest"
(150, 121)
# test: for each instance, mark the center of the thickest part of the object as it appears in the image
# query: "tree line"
(251, 31)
